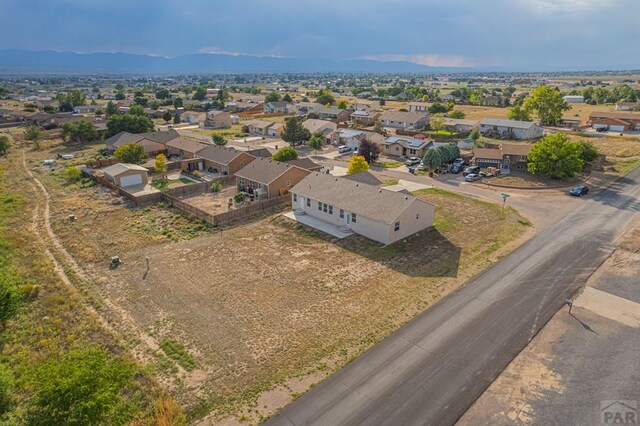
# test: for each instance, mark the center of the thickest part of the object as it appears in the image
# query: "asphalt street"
(432, 369)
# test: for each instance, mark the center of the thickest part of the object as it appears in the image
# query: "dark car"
(459, 161)
(579, 191)
(456, 168)
(471, 170)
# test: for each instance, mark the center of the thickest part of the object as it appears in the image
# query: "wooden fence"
(259, 207)
(138, 199)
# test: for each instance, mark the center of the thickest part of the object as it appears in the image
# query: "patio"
(318, 224)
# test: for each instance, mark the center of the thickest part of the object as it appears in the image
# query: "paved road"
(432, 369)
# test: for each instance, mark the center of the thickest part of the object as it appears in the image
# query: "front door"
(348, 219)
(507, 163)
(301, 200)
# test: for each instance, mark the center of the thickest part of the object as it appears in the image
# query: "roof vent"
(380, 191)
(336, 179)
(406, 197)
(357, 184)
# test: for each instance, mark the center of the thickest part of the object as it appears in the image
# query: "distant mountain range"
(14, 61)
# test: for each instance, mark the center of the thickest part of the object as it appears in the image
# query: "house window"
(308, 202)
(295, 198)
(396, 226)
(331, 210)
(319, 206)
(341, 214)
(324, 207)
(353, 217)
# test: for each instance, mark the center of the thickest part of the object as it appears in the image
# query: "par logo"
(620, 412)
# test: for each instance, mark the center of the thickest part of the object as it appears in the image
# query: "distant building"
(573, 99)
(511, 129)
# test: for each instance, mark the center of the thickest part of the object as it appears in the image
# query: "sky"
(508, 34)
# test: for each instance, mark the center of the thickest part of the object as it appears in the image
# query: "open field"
(623, 152)
(233, 314)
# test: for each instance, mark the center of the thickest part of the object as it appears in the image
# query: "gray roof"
(319, 126)
(187, 145)
(120, 168)
(278, 104)
(125, 137)
(407, 142)
(305, 163)
(264, 170)
(369, 201)
(122, 138)
(515, 124)
(219, 154)
(402, 116)
(161, 137)
(364, 177)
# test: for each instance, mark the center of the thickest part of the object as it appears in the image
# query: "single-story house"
(364, 177)
(258, 127)
(364, 116)
(615, 121)
(193, 117)
(276, 130)
(406, 146)
(319, 127)
(376, 213)
(403, 120)
(153, 142)
(460, 125)
(268, 178)
(185, 148)
(508, 156)
(422, 107)
(628, 106)
(348, 137)
(571, 122)
(126, 175)
(306, 163)
(512, 129)
(264, 152)
(333, 114)
(218, 120)
(86, 109)
(304, 108)
(274, 107)
(239, 106)
(573, 99)
(218, 159)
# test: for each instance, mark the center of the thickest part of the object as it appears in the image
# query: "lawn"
(387, 164)
(163, 184)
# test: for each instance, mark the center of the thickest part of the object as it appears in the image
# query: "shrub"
(216, 187)
(73, 174)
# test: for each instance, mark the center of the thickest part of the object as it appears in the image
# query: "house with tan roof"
(403, 120)
(351, 206)
(401, 146)
(364, 116)
(258, 127)
(126, 175)
(627, 106)
(509, 156)
(336, 115)
(422, 107)
(460, 125)
(267, 178)
(184, 148)
(320, 127)
(153, 142)
(218, 160)
(615, 121)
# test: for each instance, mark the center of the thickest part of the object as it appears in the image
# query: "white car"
(343, 149)
(67, 156)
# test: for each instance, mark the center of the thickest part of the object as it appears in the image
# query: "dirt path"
(151, 346)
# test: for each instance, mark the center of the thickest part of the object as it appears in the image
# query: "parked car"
(412, 161)
(471, 170)
(472, 177)
(343, 148)
(456, 168)
(579, 191)
(459, 161)
(421, 167)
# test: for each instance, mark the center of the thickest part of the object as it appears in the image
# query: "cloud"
(432, 60)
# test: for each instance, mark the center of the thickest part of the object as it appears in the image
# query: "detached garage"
(126, 175)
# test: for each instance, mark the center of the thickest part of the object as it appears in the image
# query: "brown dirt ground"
(213, 203)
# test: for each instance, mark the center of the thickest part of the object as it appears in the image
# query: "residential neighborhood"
(210, 219)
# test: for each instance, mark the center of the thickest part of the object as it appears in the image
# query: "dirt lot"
(212, 202)
(234, 314)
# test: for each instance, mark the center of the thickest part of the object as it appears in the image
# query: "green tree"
(378, 127)
(325, 97)
(272, 97)
(218, 139)
(382, 102)
(342, 105)
(456, 114)
(287, 98)
(163, 93)
(178, 103)
(357, 164)
(316, 142)
(4, 145)
(32, 133)
(76, 98)
(294, 132)
(120, 96)
(547, 103)
(160, 165)
(84, 386)
(166, 116)
(200, 93)
(129, 123)
(436, 122)
(589, 152)
(433, 159)
(177, 119)
(72, 174)
(216, 187)
(475, 134)
(137, 110)
(131, 153)
(111, 108)
(555, 156)
(79, 131)
(519, 113)
(437, 108)
(285, 154)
